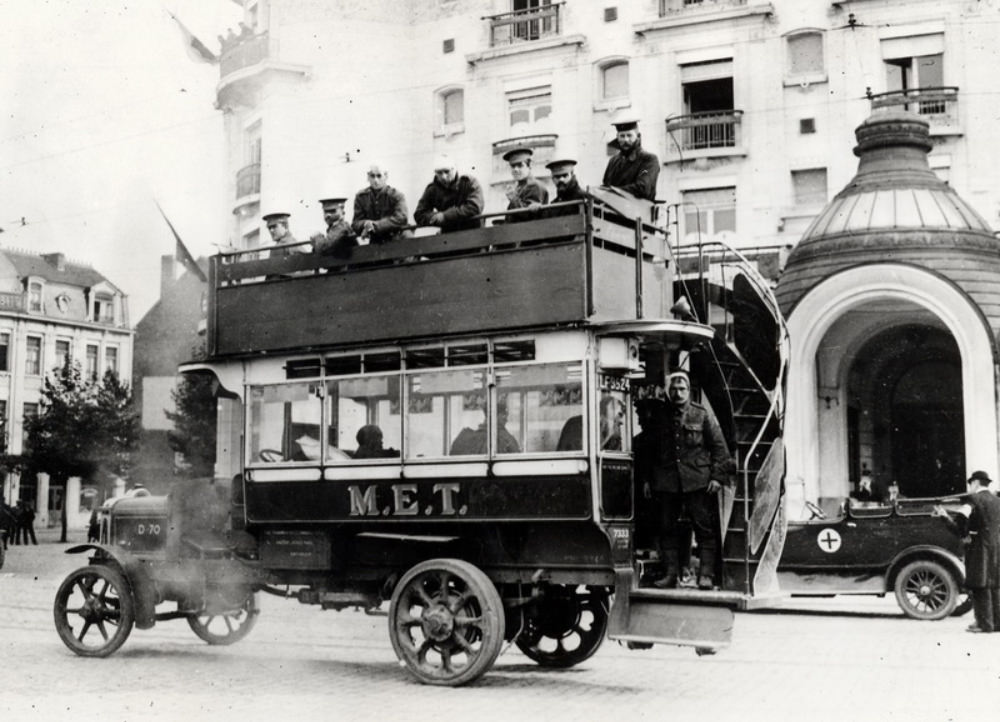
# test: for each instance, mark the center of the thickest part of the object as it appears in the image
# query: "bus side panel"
(543, 285)
(555, 497)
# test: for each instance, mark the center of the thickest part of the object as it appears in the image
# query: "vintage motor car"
(870, 547)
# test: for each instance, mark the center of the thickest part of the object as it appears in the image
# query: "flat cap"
(557, 165)
(327, 202)
(278, 216)
(516, 154)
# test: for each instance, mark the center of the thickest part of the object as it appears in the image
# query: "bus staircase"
(746, 392)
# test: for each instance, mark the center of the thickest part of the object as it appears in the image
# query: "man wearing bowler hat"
(339, 239)
(632, 169)
(277, 226)
(567, 187)
(526, 192)
(980, 520)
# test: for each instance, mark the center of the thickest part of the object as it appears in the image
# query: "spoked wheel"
(94, 611)
(565, 627)
(926, 590)
(446, 622)
(226, 627)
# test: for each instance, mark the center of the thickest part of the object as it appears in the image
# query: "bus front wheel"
(446, 622)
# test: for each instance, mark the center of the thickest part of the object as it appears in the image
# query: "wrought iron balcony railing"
(940, 102)
(248, 180)
(524, 25)
(243, 54)
(707, 130)
(669, 7)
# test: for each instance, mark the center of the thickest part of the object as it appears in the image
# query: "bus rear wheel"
(226, 627)
(446, 622)
(565, 627)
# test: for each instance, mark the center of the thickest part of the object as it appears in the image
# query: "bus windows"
(285, 423)
(541, 402)
(364, 419)
(441, 406)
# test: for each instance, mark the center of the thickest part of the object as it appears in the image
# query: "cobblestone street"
(842, 659)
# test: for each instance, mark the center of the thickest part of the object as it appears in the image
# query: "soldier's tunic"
(635, 173)
(385, 208)
(527, 192)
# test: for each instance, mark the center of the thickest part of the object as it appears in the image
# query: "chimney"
(56, 260)
(166, 274)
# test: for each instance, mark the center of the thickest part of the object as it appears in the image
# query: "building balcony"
(248, 181)
(245, 67)
(680, 13)
(711, 134)
(938, 106)
(523, 26)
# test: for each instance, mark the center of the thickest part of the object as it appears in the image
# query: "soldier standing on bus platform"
(451, 201)
(277, 226)
(632, 169)
(339, 239)
(527, 192)
(685, 472)
(380, 213)
(567, 187)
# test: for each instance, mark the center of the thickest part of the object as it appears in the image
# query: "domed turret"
(895, 209)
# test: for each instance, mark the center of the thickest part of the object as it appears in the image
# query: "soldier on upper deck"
(526, 192)
(451, 201)
(277, 226)
(632, 170)
(380, 213)
(567, 187)
(339, 239)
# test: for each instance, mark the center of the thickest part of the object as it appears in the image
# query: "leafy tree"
(83, 426)
(194, 421)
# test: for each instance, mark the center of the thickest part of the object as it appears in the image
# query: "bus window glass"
(285, 423)
(442, 405)
(544, 408)
(611, 412)
(364, 418)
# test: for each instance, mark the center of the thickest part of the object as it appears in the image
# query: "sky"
(103, 113)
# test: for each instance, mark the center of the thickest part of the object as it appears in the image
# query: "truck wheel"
(226, 627)
(565, 627)
(94, 611)
(926, 590)
(446, 622)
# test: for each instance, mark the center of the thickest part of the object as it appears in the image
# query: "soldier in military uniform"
(277, 226)
(683, 470)
(379, 210)
(527, 192)
(339, 239)
(632, 169)
(567, 187)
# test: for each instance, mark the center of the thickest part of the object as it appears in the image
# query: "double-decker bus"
(445, 424)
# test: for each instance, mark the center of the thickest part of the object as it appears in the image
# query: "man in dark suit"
(632, 169)
(980, 518)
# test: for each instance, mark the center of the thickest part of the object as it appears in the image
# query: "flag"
(181, 253)
(196, 49)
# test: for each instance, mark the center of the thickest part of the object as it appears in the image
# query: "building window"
(448, 46)
(809, 186)
(530, 111)
(91, 370)
(30, 411)
(33, 356)
(614, 81)
(104, 309)
(451, 109)
(805, 54)
(35, 296)
(63, 351)
(4, 351)
(111, 360)
(709, 212)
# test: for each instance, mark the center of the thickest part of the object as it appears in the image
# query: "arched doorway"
(905, 414)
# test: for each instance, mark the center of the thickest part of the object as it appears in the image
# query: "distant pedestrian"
(8, 524)
(981, 522)
(27, 523)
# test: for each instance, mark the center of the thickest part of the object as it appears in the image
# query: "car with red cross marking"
(878, 548)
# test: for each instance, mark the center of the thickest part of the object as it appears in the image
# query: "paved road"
(839, 660)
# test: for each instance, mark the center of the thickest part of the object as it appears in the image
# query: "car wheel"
(926, 590)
